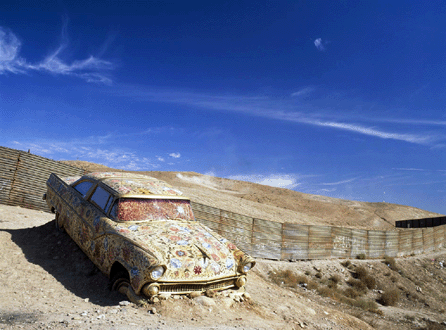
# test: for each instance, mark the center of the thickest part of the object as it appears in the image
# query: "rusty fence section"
(287, 241)
(23, 177)
(22, 183)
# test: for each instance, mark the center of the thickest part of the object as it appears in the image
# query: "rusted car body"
(141, 232)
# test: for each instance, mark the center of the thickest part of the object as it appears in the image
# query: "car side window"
(101, 197)
(114, 210)
(83, 187)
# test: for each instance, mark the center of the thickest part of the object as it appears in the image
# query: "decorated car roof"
(130, 184)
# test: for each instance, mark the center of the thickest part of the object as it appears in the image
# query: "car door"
(100, 200)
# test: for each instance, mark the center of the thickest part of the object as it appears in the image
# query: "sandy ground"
(48, 283)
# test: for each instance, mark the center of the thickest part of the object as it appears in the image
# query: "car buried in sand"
(142, 234)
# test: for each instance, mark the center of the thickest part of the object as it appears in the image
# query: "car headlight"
(157, 272)
(246, 268)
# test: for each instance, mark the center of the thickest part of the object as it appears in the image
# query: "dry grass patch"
(389, 297)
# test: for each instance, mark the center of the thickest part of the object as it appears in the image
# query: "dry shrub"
(312, 285)
(333, 281)
(389, 297)
(328, 292)
(335, 278)
(358, 285)
(390, 261)
(365, 304)
(361, 272)
(346, 263)
(369, 281)
(361, 256)
(351, 293)
(394, 279)
(287, 278)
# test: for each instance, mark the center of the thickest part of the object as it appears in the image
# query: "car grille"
(185, 288)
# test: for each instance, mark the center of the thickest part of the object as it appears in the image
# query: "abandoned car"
(142, 234)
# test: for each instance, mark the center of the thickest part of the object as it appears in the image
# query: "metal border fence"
(23, 177)
(22, 182)
(288, 241)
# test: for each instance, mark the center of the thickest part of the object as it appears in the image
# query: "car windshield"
(138, 209)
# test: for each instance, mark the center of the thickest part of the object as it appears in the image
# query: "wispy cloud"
(91, 69)
(338, 182)
(175, 155)
(288, 181)
(303, 91)
(99, 149)
(319, 45)
(275, 109)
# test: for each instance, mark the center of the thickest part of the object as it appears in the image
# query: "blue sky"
(338, 98)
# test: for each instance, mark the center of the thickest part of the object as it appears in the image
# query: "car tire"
(120, 282)
(59, 227)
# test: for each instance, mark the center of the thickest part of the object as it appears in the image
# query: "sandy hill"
(278, 204)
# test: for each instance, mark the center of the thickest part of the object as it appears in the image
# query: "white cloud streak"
(267, 108)
(91, 69)
(339, 182)
(303, 91)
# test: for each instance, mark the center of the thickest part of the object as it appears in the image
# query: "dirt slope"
(277, 204)
(48, 283)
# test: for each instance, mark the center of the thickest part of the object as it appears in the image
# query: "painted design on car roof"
(134, 184)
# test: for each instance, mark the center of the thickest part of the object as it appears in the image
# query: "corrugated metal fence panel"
(377, 243)
(342, 242)
(8, 165)
(320, 243)
(266, 249)
(428, 239)
(392, 243)
(295, 241)
(23, 177)
(439, 237)
(405, 240)
(359, 242)
(417, 242)
(235, 219)
(200, 215)
(205, 208)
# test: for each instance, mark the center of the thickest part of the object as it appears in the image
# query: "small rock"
(85, 313)
(419, 289)
(124, 303)
(101, 316)
(87, 299)
(247, 296)
(155, 300)
(176, 297)
(205, 301)
(210, 293)
(112, 311)
(153, 311)
(195, 294)
(164, 296)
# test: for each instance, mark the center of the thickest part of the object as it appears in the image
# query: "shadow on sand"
(57, 253)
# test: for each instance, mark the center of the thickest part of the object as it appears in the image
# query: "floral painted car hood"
(188, 249)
